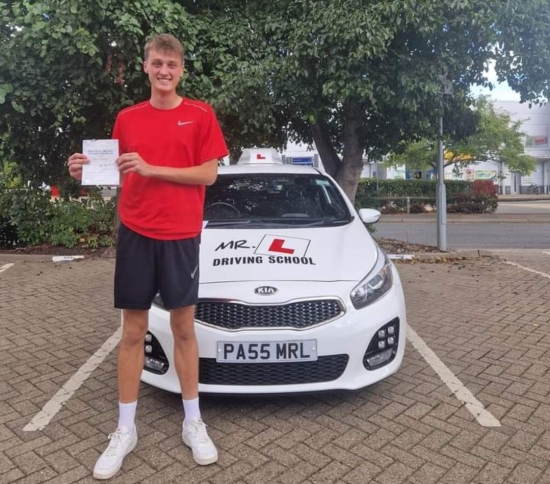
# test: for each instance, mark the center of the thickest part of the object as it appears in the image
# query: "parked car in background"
(295, 295)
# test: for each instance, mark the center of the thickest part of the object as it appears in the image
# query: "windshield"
(293, 200)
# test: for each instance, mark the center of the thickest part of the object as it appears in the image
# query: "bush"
(8, 234)
(36, 219)
(471, 203)
(87, 222)
(390, 196)
(29, 211)
(485, 187)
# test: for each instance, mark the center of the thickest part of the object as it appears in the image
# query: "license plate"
(266, 351)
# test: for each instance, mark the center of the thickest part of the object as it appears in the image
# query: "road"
(527, 207)
(515, 225)
(472, 236)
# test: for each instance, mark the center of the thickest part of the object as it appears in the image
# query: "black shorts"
(146, 266)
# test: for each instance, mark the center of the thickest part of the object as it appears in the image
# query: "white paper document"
(102, 169)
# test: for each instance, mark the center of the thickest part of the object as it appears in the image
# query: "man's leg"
(130, 365)
(131, 354)
(186, 351)
(186, 357)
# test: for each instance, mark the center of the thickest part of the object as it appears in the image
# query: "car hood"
(345, 253)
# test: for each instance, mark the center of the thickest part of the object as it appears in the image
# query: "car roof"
(268, 169)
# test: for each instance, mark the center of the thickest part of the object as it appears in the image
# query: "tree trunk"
(323, 143)
(349, 174)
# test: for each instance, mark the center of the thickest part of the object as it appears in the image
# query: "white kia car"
(295, 295)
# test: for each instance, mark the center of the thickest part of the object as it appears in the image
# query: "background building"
(536, 126)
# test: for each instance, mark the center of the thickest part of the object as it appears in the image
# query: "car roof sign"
(260, 156)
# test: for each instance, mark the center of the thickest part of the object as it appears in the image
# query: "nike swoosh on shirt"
(183, 123)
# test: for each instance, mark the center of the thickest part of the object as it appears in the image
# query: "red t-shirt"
(185, 136)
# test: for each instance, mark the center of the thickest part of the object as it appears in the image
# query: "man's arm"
(204, 174)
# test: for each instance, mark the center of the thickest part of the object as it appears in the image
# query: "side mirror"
(369, 215)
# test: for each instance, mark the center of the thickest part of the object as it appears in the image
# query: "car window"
(288, 199)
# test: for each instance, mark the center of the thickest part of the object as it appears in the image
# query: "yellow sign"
(449, 155)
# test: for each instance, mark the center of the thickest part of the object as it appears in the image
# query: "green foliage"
(371, 187)
(66, 68)
(8, 233)
(354, 77)
(29, 211)
(87, 222)
(391, 196)
(496, 138)
(32, 217)
(472, 203)
(523, 58)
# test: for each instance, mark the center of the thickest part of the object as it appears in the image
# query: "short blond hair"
(165, 43)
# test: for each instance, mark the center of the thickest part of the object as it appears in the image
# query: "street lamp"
(441, 193)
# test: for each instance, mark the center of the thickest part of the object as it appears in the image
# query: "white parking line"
(528, 269)
(51, 408)
(476, 408)
(5, 267)
(55, 404)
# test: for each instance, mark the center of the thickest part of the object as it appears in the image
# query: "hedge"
(390, 196)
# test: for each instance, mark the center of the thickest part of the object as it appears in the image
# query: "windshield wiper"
(327, 223)
(217, 223)
(297, 223)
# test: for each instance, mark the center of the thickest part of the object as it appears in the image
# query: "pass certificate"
(102, 169)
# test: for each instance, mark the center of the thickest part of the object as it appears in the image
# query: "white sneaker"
(109, 463)
(195, 436)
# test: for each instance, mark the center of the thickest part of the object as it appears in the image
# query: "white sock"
(191, 409)
(127, 415)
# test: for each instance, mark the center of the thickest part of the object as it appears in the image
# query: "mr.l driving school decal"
(279, 245)
(272, 249)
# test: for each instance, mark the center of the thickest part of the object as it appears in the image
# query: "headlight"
(375, 285)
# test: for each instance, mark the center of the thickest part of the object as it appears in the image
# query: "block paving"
(487, 320)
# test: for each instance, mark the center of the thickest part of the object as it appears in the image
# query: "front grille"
(299, 314)
(326, 368)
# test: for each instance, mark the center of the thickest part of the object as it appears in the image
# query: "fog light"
(383, 346)
(379, 358)
(155, 358)
(154, 364)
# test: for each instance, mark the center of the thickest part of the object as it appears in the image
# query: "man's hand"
(133, 163)
(75, 162)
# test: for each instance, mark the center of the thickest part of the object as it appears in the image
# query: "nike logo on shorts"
(194, 272)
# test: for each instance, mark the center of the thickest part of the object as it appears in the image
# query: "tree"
(353, 76)
(496, 138)
(522, 55)
(357, 77)
(67, 67)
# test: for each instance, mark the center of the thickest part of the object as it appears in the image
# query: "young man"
(170, 147)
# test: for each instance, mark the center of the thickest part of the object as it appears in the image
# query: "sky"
(502, 91)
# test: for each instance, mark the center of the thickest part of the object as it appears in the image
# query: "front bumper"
(341, 348)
